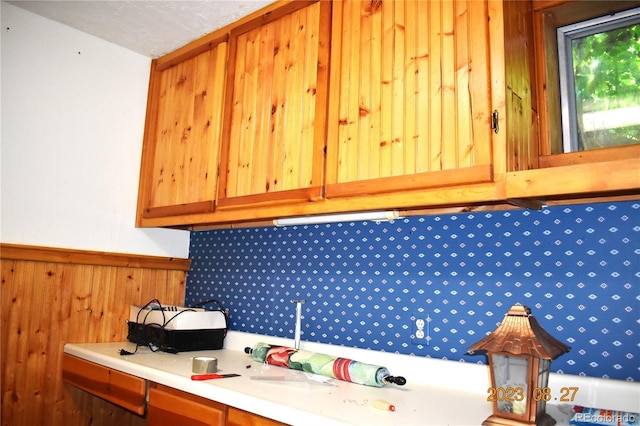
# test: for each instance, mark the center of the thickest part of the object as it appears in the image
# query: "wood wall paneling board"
(293, 167)
(448, 140)
(464, 148)
(389, 58)
(264, 74)
(547, 82)
(435, 76)
(522, 121)
(54, 296)
(273, 137)
(16, 306)
(316, 85)
(370, 98)
(480, 73)
(86, 257)
(409, 88)
(497, 85)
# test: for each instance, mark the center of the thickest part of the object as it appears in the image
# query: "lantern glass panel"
(543, 379)
(511, 372)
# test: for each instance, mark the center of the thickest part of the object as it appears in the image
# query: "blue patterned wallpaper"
(576, 267)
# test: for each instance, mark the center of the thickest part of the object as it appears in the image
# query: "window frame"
(547, 16)
(565, 36)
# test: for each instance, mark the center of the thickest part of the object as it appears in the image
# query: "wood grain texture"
(410, 89)
(592, 156)
(522, 110)
(273, 140)
(182, 135)
(172, 407)
(114, 386)
(86, 257)
(237, 417)
(58, 296)
(547, 16)
(587, 178)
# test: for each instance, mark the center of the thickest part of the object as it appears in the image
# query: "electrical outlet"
(419, 330)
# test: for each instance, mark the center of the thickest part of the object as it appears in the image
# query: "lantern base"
(544, 420)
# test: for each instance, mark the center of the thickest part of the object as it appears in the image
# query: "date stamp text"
(511, 394)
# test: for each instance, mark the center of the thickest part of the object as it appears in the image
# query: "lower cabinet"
(237, 417)
(171, 407)
(121, 389)
(162, 405)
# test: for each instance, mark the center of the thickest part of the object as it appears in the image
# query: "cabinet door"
(237, 417)
(275, 125)
(171, 407)
(122, 389)
(182, 134)
(410, 96)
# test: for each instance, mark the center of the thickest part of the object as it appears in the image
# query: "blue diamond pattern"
(576, 267)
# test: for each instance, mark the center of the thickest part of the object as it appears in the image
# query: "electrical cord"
(152, 346)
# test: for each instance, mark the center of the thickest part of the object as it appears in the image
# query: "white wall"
(73, 109)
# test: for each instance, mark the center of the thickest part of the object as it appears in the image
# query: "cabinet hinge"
(494, 121)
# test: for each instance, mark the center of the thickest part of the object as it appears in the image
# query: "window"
(599, 76)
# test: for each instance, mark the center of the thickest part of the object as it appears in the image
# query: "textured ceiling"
(151, 28)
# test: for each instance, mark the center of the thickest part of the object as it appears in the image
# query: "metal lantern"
(520, 354)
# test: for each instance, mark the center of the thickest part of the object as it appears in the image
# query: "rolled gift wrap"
(322, 364)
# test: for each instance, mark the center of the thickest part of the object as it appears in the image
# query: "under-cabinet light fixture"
(379, 216)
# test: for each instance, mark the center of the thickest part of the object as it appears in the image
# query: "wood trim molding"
(418, 181)
(85, 257)
(180, 209)
(313, 193)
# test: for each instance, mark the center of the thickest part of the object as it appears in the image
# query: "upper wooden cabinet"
(312, 107)
(275, 112)
(410, 96)
(182, 134)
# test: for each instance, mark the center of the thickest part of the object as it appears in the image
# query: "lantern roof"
(520, 334)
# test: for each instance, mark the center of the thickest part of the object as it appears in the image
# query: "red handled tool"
(212, 376)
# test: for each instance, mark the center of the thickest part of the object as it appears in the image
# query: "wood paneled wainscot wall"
(54, 296)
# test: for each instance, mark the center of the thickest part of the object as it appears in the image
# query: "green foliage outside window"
(607, 78)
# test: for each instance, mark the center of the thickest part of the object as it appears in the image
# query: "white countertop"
(437, 392)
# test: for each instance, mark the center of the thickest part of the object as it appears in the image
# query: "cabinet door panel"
(274, 136)
(182, 138)
(411, 80)
(122, 389)
(238, 417)
(171, 407)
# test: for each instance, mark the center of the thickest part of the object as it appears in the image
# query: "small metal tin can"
(204, 365)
